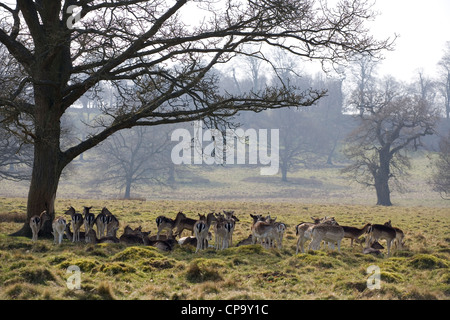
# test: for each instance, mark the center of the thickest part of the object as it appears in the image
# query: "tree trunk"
(284, 170)
(47, 166)
(382, 179)
(383, 192)
(127, 190)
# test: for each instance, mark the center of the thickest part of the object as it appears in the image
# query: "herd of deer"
(264, 230)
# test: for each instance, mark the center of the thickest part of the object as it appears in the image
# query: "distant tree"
(133, 158)
(440, 180)
(391, 123)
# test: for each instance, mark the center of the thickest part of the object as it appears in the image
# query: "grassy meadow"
(117, 271)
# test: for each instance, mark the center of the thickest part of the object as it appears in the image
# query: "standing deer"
(377, 232)
(112, 223)
(59, 227)
(164, 223)
(89, 219)
(185, 223)
(77, 222)
(36, 223)
(101, 221)
(354, 233)
(201, 229)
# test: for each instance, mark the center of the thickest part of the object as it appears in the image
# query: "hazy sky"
(423, 27)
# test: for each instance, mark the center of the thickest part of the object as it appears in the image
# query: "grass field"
(116, 271)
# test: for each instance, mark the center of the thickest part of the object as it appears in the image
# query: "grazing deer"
(89, 219)
(164, 223)
(59, 227)
(331, 233)
(354, 233)
(101, 220)
(111, 222)
(304, 230)
(377, 232)
(36, 223)
(77, 221)
(399, 235)
(201, 229)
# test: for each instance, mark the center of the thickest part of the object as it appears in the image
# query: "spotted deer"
(77, 222)
(59, 227)
(36, 223)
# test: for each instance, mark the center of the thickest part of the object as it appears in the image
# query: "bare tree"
(389, 126)
(132, 158)
(157, 60)
(440, 179)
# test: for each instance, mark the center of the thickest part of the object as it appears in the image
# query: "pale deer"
(77, 222)
(59, 227)
(262, 231)
(331, 233)
(377, 232)
(304, 230)
(36, 223)
(201, 229)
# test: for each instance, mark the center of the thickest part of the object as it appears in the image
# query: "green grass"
(116, 271)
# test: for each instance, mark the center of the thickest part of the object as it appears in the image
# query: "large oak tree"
(158, 62)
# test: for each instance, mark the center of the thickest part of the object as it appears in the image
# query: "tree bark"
(382, 178)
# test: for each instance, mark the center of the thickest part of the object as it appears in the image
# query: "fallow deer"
(59, 227)
(399, 235)
(36, 223)
(92, 238)
(191, 240)
(233, 219)
(377, 232)
(112, 223)
(304, 230)
(223, 229)
(101, 221)
(354, 233)
(331, 233)
(262, 231)
(201, 229)
(69, 234)
(77, 222)
(164, 223)
(89, 219)
(185, 223)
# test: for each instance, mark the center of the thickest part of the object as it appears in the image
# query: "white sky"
(423, 27)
